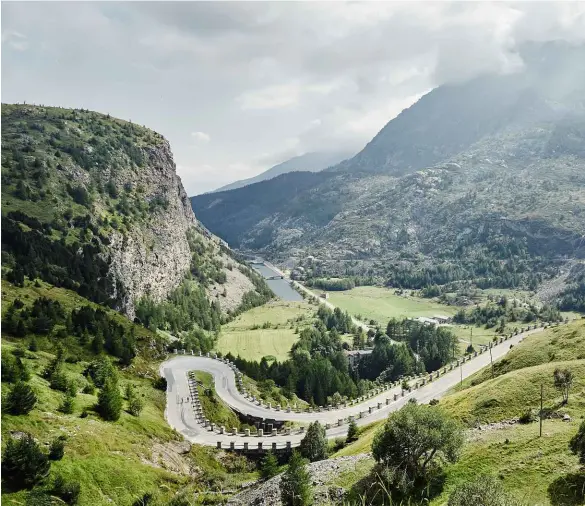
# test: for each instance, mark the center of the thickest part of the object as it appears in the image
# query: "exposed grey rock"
(268, 493)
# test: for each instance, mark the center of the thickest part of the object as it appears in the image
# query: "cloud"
(15, 40)
(201, 137)
(274, 97)
(327, 74)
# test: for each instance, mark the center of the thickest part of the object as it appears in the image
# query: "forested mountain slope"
(94, 204)
(483, 179)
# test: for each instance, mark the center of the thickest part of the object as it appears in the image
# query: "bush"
(295, 485)
(314, 445)
(577, 443)
(24, 464)
(160, 384)
(68, 405)
(57, 448)
(135, 405)
(482, 491)
(68, 491)
(110, 401)
(352, 431)
(89, 388)
(21, 400)
(528, 416)
(268, 466)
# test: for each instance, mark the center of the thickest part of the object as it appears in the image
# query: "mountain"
(94, 204)
(309, 162)
(483, 179)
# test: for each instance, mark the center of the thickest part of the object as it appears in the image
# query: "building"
(354, 356)
(443, 318)
(324, 295)
(426, 321)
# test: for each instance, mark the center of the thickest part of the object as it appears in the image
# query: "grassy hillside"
(563, 343)
(539, 471)
(266, 330)
(114, 462)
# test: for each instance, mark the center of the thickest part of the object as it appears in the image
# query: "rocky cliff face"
(153, 258)
(94, 204)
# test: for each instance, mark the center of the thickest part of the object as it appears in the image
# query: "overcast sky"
(239, 87)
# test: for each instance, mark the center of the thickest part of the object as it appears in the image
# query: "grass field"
(214, 409)
(381, 304)
(245, 336)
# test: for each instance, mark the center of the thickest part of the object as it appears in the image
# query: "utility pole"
(471, 339)
(541, 397)
(461, 370)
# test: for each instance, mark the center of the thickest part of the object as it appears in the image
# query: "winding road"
(183, 413)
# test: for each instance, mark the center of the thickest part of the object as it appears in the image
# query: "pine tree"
(110, 401)
(57, 448)
(352, 431)
(269, 466)
(68, 404)
(24, 464)
(295, 485)
(314, 445)
(21, 399)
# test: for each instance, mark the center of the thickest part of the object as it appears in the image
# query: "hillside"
(480, 180)
(94, 204)
(539, 471)
(113, 462)
(309, 162)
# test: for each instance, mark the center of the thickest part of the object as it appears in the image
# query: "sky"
(237, 87)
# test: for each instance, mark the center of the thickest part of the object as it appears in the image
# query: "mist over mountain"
(492, 169)
(309, 162)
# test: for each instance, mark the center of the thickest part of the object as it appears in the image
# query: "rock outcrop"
(153, 258)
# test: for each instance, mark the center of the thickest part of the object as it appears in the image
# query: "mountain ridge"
(471, 173)
(308, 162)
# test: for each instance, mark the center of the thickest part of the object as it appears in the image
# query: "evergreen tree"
(352, 431)
(68, 404)
(110, 401)
(269, 466)
(295, 485)
(21, 399)
(314, 445)
(24, 464)
(57, 448)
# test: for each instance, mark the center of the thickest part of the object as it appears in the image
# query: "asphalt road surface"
(180, 412)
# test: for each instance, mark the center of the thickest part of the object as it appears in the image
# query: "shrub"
(68, 491)
(68, 404)
(268, 466)
(352, 431)
(482, 491)
(110, 401)
(24, 464)
(57, 448)
(528, 416)
(295, 485)
(577, 443)
(21, 400)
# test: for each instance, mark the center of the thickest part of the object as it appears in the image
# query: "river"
(280, 287)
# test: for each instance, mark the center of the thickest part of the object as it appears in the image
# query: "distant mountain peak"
(309, 162)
